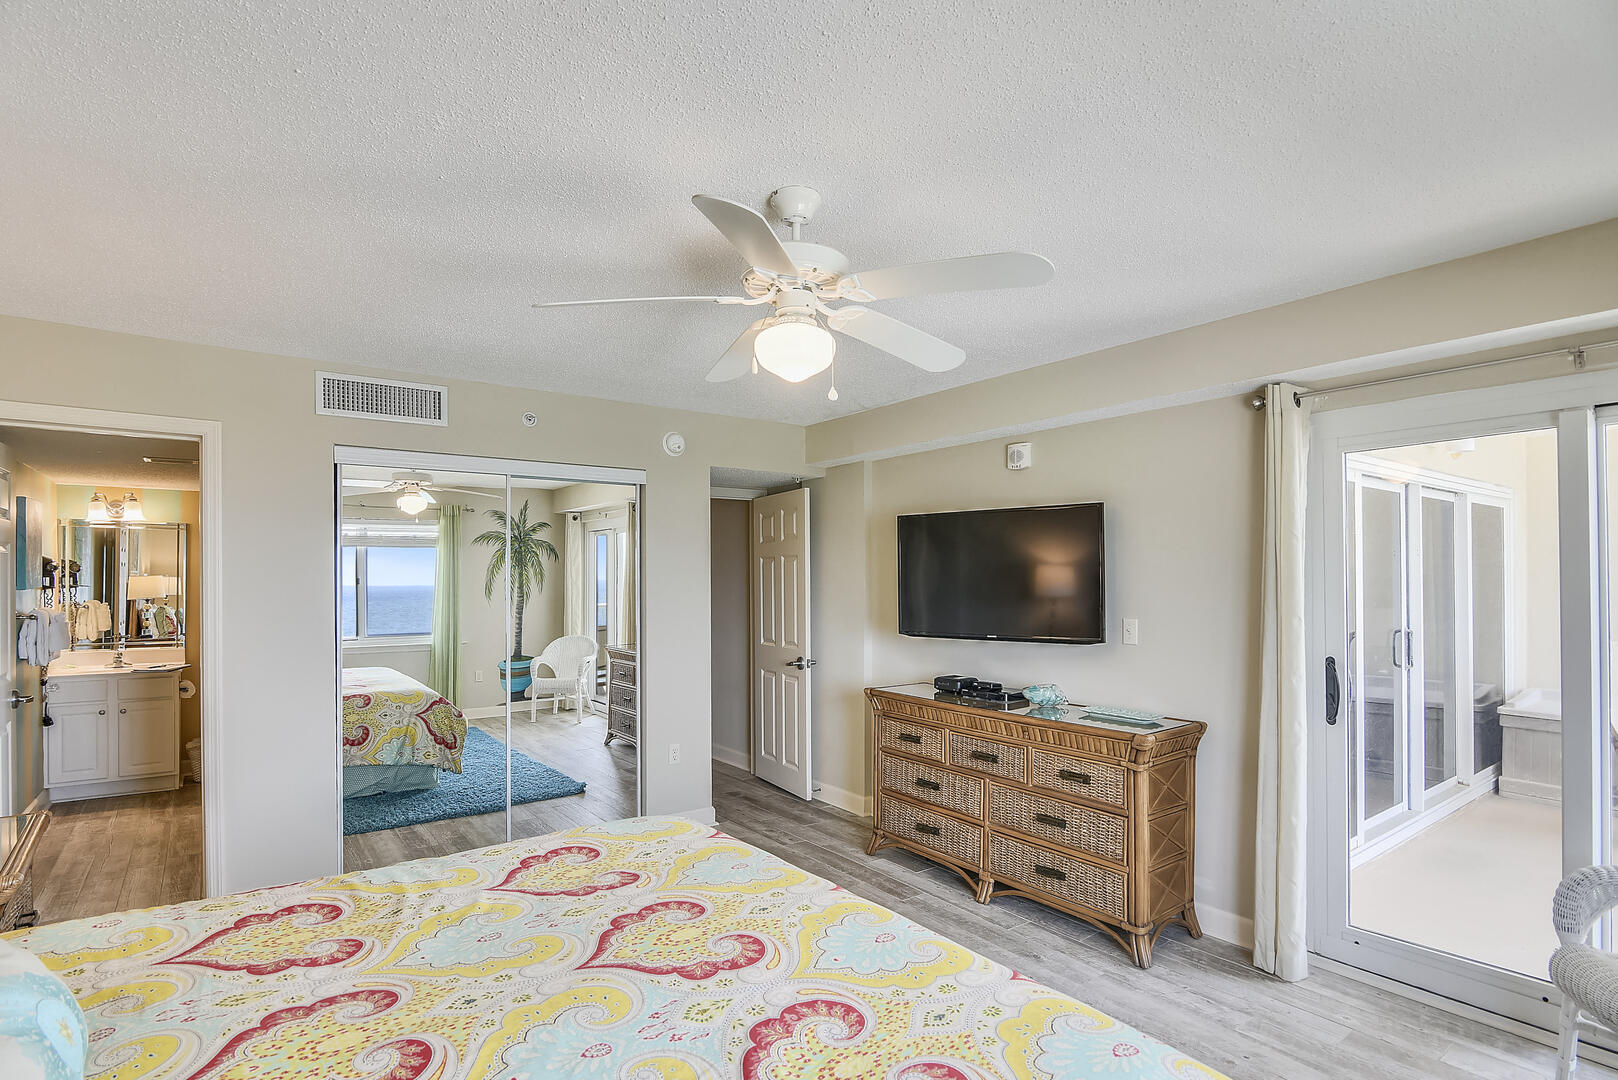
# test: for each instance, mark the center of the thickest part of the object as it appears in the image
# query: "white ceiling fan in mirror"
(413, 490)
(800, 281)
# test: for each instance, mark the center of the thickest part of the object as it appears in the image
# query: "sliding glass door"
(1468, 767)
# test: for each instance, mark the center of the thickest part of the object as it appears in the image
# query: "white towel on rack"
(27, 640)
(52, 635)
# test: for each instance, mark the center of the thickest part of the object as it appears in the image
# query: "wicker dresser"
(623, 694)
(1093, 818)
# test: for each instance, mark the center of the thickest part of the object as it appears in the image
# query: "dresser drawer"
(987, 756)
(1093, 831)
(919, 740)
(1072, 880)
(1098, 781)
(621, 674)
(946, 835)
(621, 697)
(940, 787)
(621, 722)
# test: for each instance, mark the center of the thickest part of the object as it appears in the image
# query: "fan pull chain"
(831, 395)
(755, 365)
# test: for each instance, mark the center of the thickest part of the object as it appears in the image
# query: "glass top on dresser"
(1067, 714)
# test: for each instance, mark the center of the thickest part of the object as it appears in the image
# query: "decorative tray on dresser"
(1094, 817)
(623, 694)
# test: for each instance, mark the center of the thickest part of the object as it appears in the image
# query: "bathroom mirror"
(124, 582)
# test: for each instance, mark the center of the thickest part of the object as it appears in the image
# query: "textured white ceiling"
(393, 184)
(114, 461)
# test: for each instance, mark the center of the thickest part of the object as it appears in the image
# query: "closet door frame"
(509, 469)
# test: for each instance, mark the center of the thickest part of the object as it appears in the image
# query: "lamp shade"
(794, 347)
(147, 586)
(413, 502)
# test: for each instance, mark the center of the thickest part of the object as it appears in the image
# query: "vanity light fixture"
(125, 509)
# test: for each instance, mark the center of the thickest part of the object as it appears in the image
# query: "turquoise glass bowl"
(1044, 695)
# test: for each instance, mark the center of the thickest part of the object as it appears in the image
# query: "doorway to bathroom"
(107, 533)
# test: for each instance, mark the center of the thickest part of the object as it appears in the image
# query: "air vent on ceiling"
(381, 399)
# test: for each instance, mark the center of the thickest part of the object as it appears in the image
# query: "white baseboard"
(736, 759)
(1226, 925)
(488, 712)
(844, 799)
(703, 815)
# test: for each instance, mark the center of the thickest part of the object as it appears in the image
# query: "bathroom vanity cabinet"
(112, 733)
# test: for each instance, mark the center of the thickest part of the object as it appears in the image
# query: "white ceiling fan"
(799, 280)
(412, 489)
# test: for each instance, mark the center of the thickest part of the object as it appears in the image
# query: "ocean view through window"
(392, 587)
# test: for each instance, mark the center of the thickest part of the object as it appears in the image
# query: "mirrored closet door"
(423, 610)
(488, 634)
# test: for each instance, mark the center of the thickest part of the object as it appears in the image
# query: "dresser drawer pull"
(930, 830)
(984, 755)
(905, 736)
(1075, 777)
(930, 785)
(1052, 820)
(1050, 872)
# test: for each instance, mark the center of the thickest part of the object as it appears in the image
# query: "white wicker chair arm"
(1582, 898)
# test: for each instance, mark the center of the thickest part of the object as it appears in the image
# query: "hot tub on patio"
(1531, 746)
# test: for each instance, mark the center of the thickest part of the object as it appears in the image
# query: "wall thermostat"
(1019, 455)
(674, 444)
(529, 419)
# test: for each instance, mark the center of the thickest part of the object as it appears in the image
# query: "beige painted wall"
(840, 611)
(278, 774)
(1182, 493)
(728, 583)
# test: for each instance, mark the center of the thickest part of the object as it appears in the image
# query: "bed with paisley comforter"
(640, 949)
(397, 733)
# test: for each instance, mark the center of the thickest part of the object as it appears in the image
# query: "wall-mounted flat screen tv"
(1030, 573)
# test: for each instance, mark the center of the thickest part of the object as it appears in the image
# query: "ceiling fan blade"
(738, 359)
(901, 339)
(371, 485)
(1003, 270)
(747, 232)
(469, 491)
(643, 299)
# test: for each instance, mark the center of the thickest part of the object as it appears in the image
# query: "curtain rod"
(1574, 353)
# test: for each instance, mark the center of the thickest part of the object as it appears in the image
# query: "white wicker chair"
(572, 661)
(1586, 976)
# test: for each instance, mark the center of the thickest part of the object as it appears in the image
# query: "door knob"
(18, 699)
(802, 664)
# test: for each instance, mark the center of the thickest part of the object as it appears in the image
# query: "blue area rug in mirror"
(480, 788)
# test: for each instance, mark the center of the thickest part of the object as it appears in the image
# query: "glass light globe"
(413, 502)
(794, 348)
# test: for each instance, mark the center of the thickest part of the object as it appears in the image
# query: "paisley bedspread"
(391, 719)
(648, 949)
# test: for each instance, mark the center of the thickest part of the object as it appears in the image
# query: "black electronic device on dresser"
(982, 692)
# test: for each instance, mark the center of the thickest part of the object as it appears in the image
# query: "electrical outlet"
(1131, 631)
(477, 676)
(674, 753)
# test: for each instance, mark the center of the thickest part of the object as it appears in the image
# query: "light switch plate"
(1131, 631)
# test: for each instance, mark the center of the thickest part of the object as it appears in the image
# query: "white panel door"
(779, 625)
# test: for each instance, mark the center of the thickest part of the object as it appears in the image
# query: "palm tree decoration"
(529, 550)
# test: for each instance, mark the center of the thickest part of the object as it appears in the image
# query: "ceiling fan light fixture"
(795, 347)
(413, 501)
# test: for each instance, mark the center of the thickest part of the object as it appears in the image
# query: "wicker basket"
(193, 753)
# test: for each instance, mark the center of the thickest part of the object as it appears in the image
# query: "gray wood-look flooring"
(562, 741)
(113, 854)
(1201, 996)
